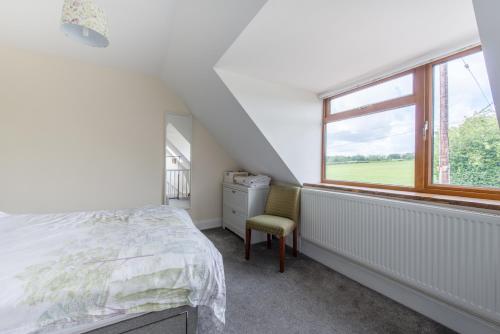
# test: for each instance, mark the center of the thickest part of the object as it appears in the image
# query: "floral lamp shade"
(84, 21)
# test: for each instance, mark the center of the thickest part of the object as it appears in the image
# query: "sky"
(393, 131)
(380, 133)
(465, 97)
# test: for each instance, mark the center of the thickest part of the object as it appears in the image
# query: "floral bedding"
(64, 270)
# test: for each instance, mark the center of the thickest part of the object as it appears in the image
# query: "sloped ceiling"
(179, 40)
(138, 33)
(319, 45)
(284, 49)
(288, 117)
(203, 31)
(294, 50)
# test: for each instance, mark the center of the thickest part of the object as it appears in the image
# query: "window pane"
(466, 137)
(399, 87)
(377, 148)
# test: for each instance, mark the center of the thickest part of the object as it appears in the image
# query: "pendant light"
(84, 21)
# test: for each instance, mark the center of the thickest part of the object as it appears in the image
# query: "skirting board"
(443, 313)
(208, 223)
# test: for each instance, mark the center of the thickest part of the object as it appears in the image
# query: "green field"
(399, 173)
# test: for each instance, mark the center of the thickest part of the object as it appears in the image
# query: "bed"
(147, 270)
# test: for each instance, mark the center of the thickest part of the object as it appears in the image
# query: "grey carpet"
(307, 298)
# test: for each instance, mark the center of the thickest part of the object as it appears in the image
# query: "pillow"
(3, 214)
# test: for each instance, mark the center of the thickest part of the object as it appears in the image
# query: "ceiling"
(204, 30)
(339, 41)
(315, 45)
(179, 40)
(139, 32)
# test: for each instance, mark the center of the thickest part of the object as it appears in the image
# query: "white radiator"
(450, 254)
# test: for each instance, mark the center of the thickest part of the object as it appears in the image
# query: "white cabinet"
(240, 203)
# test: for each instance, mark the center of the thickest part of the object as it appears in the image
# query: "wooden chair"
(280, 218)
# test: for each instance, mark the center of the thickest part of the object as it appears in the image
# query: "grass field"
(399, 173)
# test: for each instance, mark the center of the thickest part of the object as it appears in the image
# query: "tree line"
(342, 159)
(474, 148)
(474, 152)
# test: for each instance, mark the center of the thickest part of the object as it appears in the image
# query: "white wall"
(488, 22)
(209, 159)
(203, 32)
(75, 136)
(288, 117)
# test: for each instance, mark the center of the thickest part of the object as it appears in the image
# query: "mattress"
(64, 271)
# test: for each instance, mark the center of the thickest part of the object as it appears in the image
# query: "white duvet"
(65, 270)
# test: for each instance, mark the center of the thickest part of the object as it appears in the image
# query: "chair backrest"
(284, 201)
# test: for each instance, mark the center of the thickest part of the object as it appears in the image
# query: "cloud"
(393, 131)
(380, 133)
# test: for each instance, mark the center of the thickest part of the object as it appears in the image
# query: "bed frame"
(180, 320)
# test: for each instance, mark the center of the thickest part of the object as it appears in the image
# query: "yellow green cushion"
(279, 226)
(283, 201)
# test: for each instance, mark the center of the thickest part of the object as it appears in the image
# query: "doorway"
(179, 129)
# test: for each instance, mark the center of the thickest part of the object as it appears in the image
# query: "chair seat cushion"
(275, 225)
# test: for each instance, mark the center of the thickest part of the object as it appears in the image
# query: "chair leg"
(269, 241)
(248, 241)
(282, 254)
(295, 236)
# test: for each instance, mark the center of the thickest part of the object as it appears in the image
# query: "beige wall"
(75, 136)
(209, 162)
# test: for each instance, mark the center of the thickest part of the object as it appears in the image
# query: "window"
(465, 133)
(376, 148)
(370, 133)
(432, 129)
(402, 86)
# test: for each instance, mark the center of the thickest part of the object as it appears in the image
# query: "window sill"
(416, 196)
